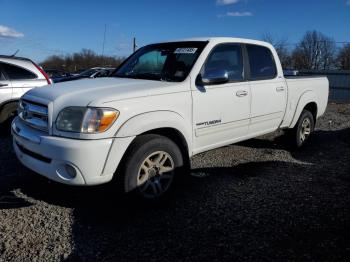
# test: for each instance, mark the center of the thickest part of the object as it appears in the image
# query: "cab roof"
(217, 40)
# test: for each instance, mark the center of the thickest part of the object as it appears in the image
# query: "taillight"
(43, 73)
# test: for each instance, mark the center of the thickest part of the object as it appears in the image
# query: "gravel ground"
(254, 201)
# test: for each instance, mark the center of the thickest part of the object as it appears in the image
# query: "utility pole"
(104, 40)
(134, 45)
(317, 53)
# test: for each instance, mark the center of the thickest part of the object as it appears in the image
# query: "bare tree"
(281, 46)
(314, 51)
(344, 57)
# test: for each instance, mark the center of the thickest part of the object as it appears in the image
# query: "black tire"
(142, 176)
(5, 127)
(7, 114)
(8, 111)
(303, 129)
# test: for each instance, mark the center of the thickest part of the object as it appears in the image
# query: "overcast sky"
(41, 28)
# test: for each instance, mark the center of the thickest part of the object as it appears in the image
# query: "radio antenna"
(15, 53)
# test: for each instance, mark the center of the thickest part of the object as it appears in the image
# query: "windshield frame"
(137, 52)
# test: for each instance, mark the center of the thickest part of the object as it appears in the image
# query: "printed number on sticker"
(188, 50)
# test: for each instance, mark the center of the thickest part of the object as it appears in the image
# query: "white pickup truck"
(164, 104)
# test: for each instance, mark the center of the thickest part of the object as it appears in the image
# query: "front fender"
(139, 124)
(154, 120)
(306, 98)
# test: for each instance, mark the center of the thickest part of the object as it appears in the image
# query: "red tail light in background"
(43, 73)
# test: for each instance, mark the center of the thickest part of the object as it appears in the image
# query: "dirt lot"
(255, 201)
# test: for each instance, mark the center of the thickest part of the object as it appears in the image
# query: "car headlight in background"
(86, 119)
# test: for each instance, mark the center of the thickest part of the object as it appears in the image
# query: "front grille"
(34, 114)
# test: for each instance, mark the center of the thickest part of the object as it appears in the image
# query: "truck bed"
(300, 87)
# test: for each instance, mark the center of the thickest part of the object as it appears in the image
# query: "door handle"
(241, 93)
(1, 85)
(280, 89)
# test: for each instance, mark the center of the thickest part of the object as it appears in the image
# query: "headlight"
(86, 119)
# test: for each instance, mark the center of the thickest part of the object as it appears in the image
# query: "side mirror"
(213, 77)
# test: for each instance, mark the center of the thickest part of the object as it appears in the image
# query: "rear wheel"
(303, 129)
(7, 113)
(151, 165)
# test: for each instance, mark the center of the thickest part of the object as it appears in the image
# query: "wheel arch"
(176, 136)
(7, 109)
(308, 101)
(167, 123)
(312, 107)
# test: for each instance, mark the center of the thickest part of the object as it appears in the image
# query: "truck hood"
(97, 91)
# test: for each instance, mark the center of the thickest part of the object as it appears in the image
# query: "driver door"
(221, 111)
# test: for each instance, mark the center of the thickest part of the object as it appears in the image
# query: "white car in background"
(17, 76)
(166, 103)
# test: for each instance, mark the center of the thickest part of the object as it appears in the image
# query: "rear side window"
(18, 73)
(262, 64)
(226, 57)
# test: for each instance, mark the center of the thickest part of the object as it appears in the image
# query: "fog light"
(70, 171)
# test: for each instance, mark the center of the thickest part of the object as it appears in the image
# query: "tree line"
(80, 60)
(314, 51)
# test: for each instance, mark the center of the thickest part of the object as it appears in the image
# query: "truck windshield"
(163, 62)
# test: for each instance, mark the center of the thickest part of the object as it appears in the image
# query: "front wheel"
(303, 129)
(151, 165)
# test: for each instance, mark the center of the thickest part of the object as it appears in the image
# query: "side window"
(17, 73)
(262, 64)
(226, 57)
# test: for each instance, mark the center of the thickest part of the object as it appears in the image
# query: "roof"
(14, 57)
(221, 39)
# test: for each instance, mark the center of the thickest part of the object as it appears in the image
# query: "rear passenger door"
(268, 91)
(5, 87)
(22, 79)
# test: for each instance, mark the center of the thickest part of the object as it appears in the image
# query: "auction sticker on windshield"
(188, 50)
